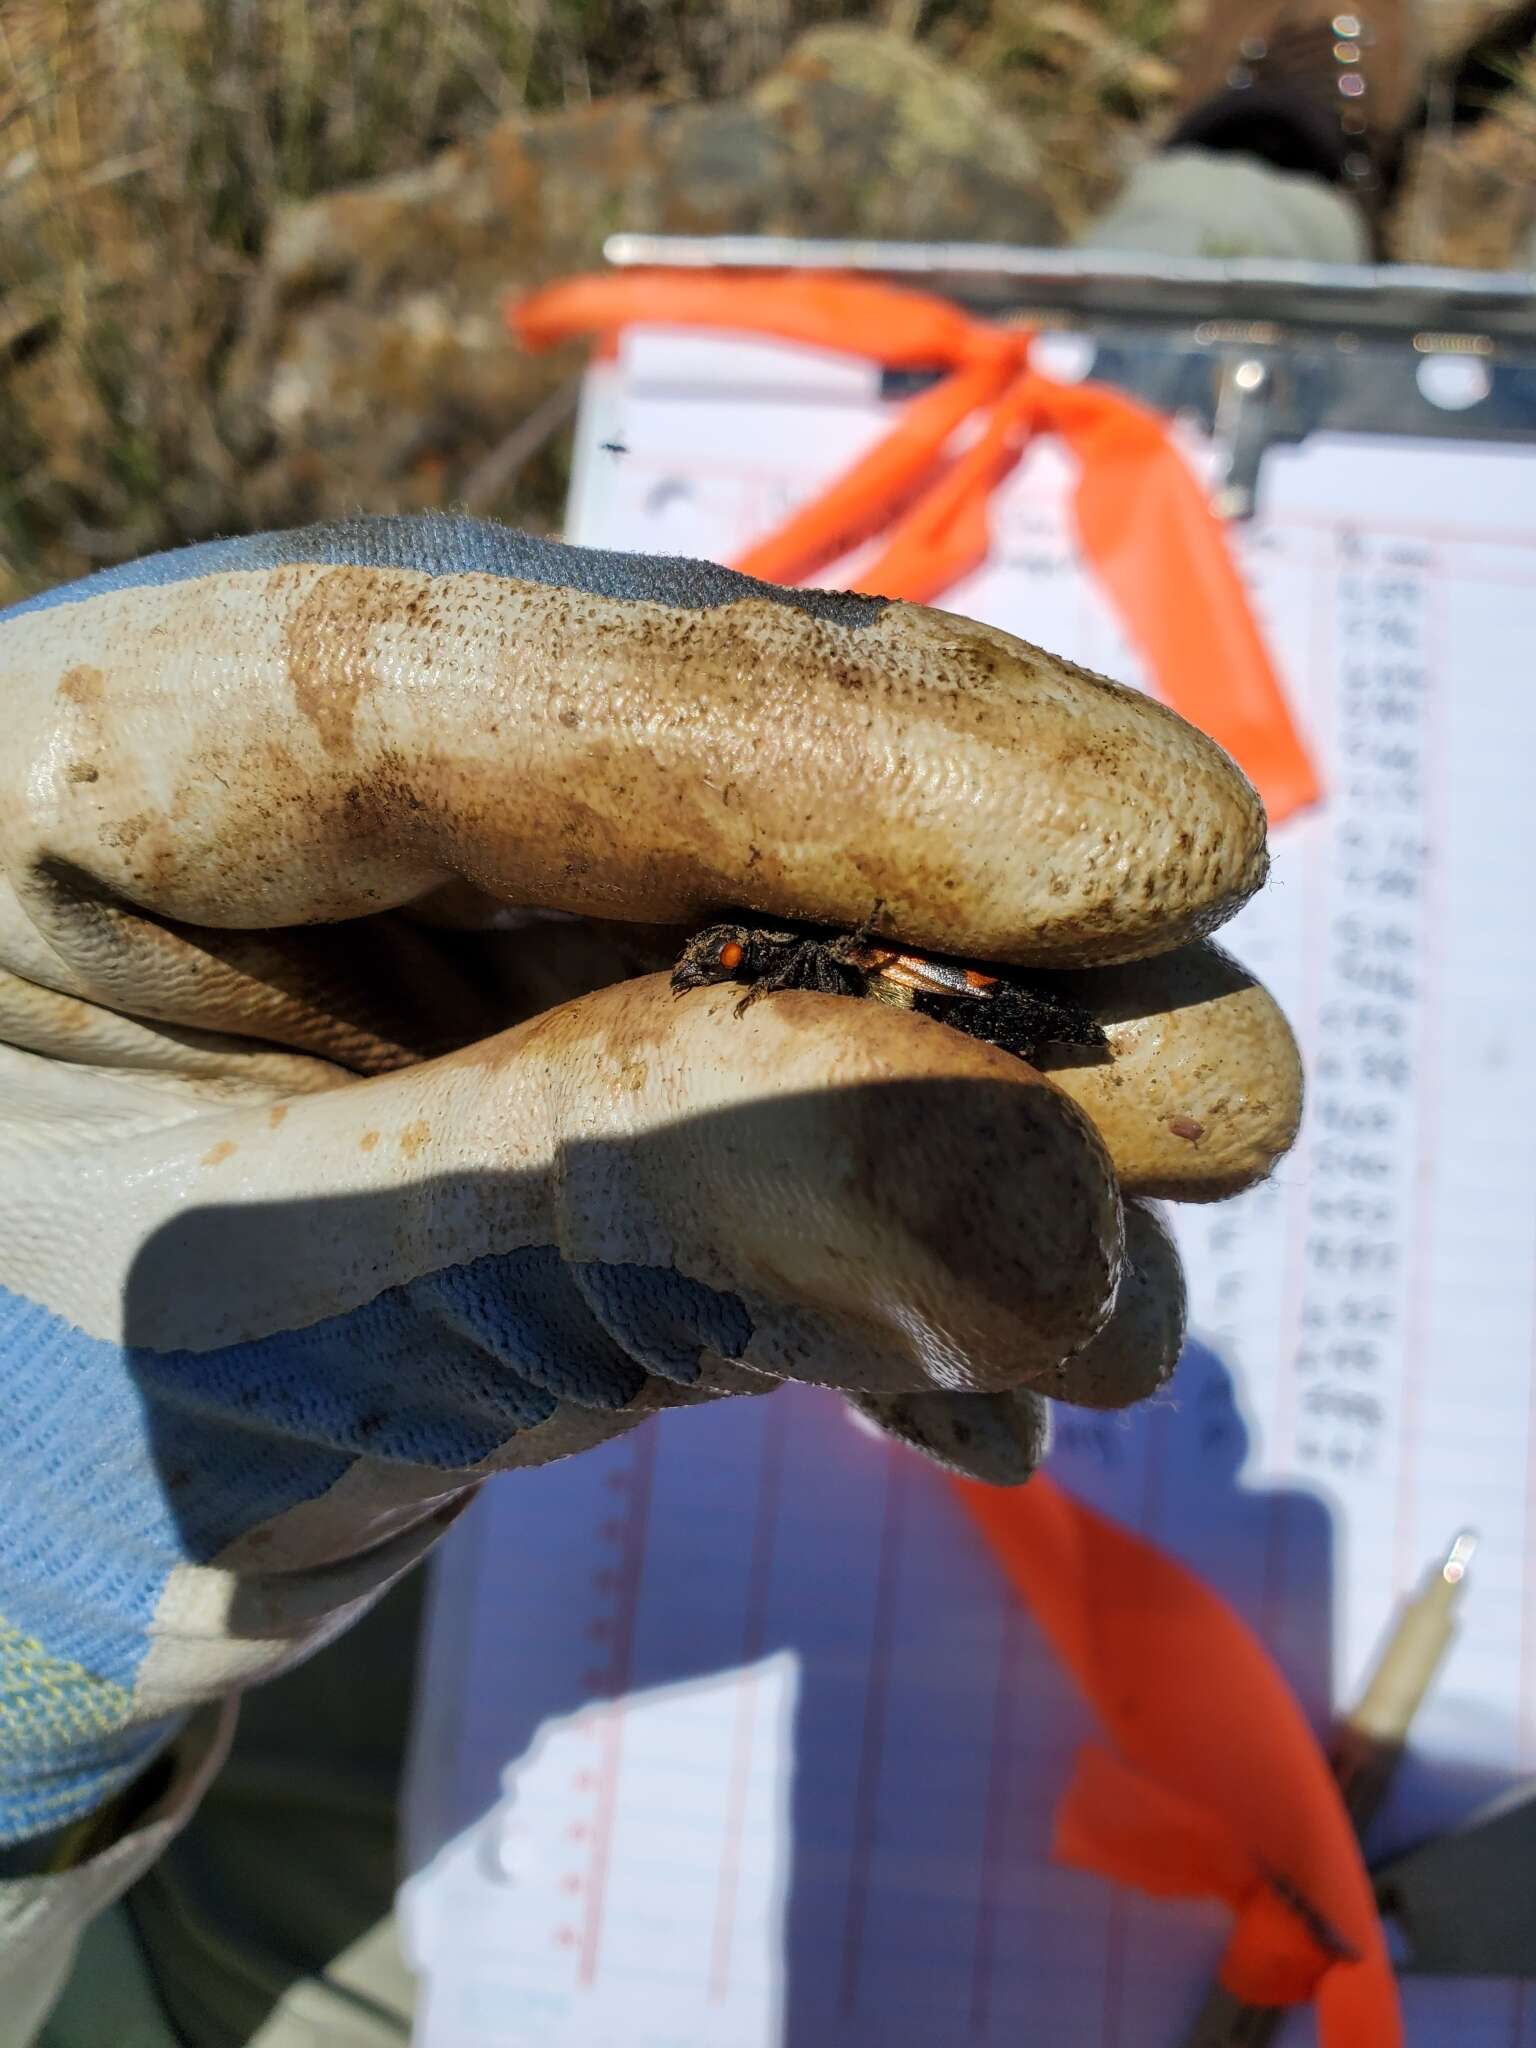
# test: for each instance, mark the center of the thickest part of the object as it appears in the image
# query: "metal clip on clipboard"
(1254, 353)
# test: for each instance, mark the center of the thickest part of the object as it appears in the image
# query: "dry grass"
(1086, 79)
(145, 145)
(1470, 193)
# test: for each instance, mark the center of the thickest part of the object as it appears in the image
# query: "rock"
(376, 370)
(886, 141)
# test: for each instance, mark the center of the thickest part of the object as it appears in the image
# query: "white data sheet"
(732, 1734)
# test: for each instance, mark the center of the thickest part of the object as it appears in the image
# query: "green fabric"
(110, 1999)
(269, 1922)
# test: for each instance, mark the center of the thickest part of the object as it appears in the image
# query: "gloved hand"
(319, 1198)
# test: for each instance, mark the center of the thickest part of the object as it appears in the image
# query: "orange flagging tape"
(1215, 1785)
(1143, 520)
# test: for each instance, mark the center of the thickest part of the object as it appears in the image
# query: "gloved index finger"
(313, 725)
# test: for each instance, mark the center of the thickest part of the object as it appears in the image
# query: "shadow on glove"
(190, 1517)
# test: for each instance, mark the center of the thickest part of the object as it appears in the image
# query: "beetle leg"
(814, 964)
(830, 971)
(795, 966)
(865, 935)
(846, 948)
(770, 963)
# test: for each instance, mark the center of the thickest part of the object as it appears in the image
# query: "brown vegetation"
(147, 147)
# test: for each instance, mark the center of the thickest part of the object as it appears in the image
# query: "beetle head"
(715, 955)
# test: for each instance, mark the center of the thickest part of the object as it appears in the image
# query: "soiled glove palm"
(318, 1198)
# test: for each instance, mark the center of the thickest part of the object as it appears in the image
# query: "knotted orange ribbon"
(1143, 520)
(1215, 1787)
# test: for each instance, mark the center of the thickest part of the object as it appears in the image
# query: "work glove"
(353, 1141)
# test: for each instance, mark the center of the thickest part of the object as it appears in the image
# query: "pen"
(1367, 1745)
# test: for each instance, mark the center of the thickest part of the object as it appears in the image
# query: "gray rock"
(376, 369)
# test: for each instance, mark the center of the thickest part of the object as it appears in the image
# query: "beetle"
(1017, 1012)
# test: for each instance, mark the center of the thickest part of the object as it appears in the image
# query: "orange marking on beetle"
(924, 976)
(732, 954)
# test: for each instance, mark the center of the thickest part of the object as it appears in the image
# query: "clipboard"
(729, 1732)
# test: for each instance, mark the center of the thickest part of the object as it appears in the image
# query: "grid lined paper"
(731, 1733)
